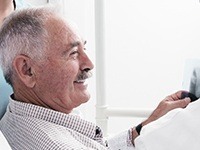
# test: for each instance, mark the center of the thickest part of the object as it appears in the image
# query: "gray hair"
(23, 32)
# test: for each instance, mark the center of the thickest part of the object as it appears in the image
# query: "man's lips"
(81, 84)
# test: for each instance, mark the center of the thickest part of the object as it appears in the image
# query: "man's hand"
(169, 103)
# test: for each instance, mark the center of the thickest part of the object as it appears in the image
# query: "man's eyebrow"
(74, 44)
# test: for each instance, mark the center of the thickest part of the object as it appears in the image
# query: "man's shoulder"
(34, 133)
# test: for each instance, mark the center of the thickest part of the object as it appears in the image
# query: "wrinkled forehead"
(61, 28)
(62, 34)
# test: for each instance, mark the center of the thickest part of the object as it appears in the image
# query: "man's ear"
(24, 70)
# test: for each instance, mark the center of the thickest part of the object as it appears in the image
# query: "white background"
(147, 44)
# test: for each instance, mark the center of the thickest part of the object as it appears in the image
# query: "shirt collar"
(71, 121)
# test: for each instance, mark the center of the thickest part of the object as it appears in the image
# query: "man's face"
(61, 75)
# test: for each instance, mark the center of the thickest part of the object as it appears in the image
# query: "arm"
(169, 103)
(125, 140)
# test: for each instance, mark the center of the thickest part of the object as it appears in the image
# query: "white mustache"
(84, 75)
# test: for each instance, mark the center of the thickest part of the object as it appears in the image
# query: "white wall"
(36, 2)
(147, 43)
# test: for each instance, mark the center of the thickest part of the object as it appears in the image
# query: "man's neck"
(6, 7)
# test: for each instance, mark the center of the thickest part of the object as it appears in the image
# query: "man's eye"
(74, 53)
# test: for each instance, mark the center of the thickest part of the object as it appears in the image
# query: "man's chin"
(87, 98)
(84, 97)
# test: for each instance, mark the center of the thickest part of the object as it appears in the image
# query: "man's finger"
(181, 103)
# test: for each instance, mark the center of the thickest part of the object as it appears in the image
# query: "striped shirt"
(31, 127)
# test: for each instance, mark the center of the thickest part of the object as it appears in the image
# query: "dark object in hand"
(190, 95)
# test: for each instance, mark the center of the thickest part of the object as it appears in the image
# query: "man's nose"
(86, 63)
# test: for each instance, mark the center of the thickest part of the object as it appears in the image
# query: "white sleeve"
(120, 142)
(178, 130)
(3, 142)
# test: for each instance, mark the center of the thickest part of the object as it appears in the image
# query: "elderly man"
(43, 58)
